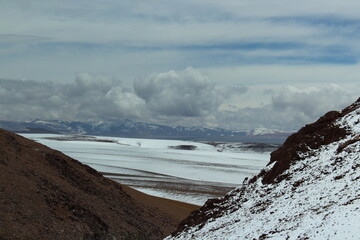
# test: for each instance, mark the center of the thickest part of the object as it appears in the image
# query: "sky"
(235, 64)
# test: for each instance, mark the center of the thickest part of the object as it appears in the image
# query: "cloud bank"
(186, 97)
(291, 107)
(187, 93)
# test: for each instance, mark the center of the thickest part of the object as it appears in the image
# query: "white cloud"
(311, 101)
(185, 93)
(132, 38)
(89, 97)
(186, 97)
(290, 107)
(276, 74)
(167, 23)
(122, 103)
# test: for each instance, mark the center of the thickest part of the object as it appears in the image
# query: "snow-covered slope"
(313, 194)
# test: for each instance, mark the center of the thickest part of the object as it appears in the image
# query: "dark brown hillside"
(47, 195)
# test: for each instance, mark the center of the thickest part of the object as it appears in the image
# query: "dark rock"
(184, 147)
(322, 132)
(347, 143)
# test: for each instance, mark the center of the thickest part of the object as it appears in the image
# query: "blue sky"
(264, 49)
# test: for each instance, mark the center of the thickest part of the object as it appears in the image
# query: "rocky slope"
(309, 190)
(47, 195)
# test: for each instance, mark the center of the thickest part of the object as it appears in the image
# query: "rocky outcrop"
(47, 195)
(322, 132)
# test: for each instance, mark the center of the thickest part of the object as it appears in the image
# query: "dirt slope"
(47, 195)
(177, 210)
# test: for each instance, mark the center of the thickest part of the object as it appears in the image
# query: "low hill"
(47, 195)
(309, 190)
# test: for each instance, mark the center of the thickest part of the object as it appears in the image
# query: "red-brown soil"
(47, 195)
(177, 210)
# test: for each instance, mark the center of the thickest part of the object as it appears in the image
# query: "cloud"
(187, 93)
(18, 91)
(179, 93)
(120, 102)
(290, 107)
(97, 97)
(184, 97)
(311, 101)
(24, 99)
(21, 38)
(234, 42)
(132, 38)
(187, 97)
(88, 97)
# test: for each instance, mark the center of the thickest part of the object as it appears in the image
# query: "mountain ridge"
(128, 128)
(308, 191)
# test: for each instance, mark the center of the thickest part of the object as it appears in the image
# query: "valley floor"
(156, 168)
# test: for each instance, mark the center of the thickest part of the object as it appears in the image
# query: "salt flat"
(152, 167)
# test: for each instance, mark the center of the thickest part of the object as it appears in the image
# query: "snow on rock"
(315, 196)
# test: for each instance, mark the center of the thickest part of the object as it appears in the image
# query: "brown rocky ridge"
(322, 132)
(47, 195)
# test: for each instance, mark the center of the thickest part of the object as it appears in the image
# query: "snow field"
(152, 167)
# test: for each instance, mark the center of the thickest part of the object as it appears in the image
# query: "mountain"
(309, 190)
(47, 195)
(127, 128)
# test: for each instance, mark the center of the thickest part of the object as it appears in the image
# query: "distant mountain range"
(128, 128)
